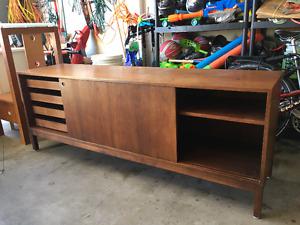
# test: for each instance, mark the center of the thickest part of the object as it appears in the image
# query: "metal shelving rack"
(245, 26)
(264, 25)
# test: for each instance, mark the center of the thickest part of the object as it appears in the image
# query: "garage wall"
(3, 10)
(110, 41)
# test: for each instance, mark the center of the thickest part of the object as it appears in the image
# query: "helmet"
(195, 5)
(166, 7)
(181, 4)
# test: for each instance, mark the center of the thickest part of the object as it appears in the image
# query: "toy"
(195, 55)
(221, 61)
(234, 52)
(79, 45)
(220, 53)
(169, 50)
(132, 59)
(185, 61)
(169, 65)
(187, 66)
(211, 8)
(195, 5)
(185, 52)
(135, 42)
(185, 43)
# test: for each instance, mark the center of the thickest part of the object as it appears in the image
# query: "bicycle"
(290, 92)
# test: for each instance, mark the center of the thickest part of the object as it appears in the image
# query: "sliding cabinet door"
(130, 117)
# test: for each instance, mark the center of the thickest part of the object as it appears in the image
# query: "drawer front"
(136, 118)
(7, 112)
(45, 104)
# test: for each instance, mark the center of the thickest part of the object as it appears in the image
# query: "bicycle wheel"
(296, 120)
(286, 87)
(284, 117)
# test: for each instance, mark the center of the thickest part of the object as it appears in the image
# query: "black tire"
(284, 118)
(286, 87)
(296, 124)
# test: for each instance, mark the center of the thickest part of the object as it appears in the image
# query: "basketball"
(203, 42)
(169, 50)
(179, 36)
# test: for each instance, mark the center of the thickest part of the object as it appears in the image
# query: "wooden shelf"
(248, 114)
(229, 159)
(240, 107)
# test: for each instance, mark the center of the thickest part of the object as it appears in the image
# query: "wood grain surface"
(135, 118)
(249, 81)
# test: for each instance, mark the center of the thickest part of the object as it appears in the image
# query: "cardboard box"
(275, 9)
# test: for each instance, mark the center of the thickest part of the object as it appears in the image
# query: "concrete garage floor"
(63, 185)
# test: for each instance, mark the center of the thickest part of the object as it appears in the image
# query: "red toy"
(80, 45)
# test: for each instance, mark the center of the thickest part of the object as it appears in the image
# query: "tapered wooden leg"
(270, 169)
(35, 143)
(1, 129)
(258, 199)
(24, 135)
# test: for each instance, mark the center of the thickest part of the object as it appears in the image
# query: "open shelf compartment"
(228, 147)
(242, 107)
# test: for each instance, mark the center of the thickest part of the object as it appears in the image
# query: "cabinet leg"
(270, 170)
(24, 135)
(1, 129)
(35, 143)
(258, 199)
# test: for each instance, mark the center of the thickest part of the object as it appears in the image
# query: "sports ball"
(169, 50)
(179, 36)
(203, 42)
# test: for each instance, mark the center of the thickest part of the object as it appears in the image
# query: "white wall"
(3, 10)
(20, 63)
(110, 41)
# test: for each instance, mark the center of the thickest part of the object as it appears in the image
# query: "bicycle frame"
(293, 42)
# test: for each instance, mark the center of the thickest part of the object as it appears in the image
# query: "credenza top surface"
(234, 80)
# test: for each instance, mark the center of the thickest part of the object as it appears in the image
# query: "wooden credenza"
(215, 125)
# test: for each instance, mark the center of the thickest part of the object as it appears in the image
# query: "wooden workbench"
(216, 125)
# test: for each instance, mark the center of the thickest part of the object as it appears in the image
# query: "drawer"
(51, 125)
(46, 111)
(47, 108)
(47, 98)
(44, 84)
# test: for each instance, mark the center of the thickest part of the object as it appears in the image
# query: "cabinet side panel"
(136, 118)
(272, 114)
